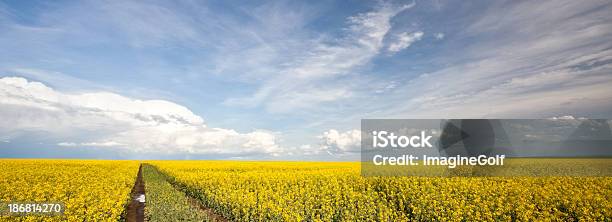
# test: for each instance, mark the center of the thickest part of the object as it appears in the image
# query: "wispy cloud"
(303, 77)
(404, 40)
(535, 62)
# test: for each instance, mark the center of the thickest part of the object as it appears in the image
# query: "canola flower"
(92, 190)
(324, 191)
(164, 202)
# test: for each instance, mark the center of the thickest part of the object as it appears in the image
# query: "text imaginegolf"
(451, 162)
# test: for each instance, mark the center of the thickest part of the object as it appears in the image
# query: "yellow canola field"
(92, 190)
(324, 191)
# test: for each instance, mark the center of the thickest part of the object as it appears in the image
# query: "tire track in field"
(209, 212)
(135, 209)
(194, 201)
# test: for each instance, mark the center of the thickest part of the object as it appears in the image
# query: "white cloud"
(568, 117)
(439, 36)
(105, 119)
(67, 144)
(404, 40)
(336, 142)
(323, 61)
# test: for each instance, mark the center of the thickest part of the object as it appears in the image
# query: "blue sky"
(284, 79)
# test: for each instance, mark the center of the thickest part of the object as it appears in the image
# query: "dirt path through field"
(135, 210)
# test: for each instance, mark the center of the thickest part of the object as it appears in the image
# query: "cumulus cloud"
(567, 117)
(103, 119)
(404, 40)
(336, 142)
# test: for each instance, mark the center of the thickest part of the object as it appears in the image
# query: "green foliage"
(164, 203)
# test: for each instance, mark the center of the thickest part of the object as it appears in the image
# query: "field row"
(294, 191)
(309, 191)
